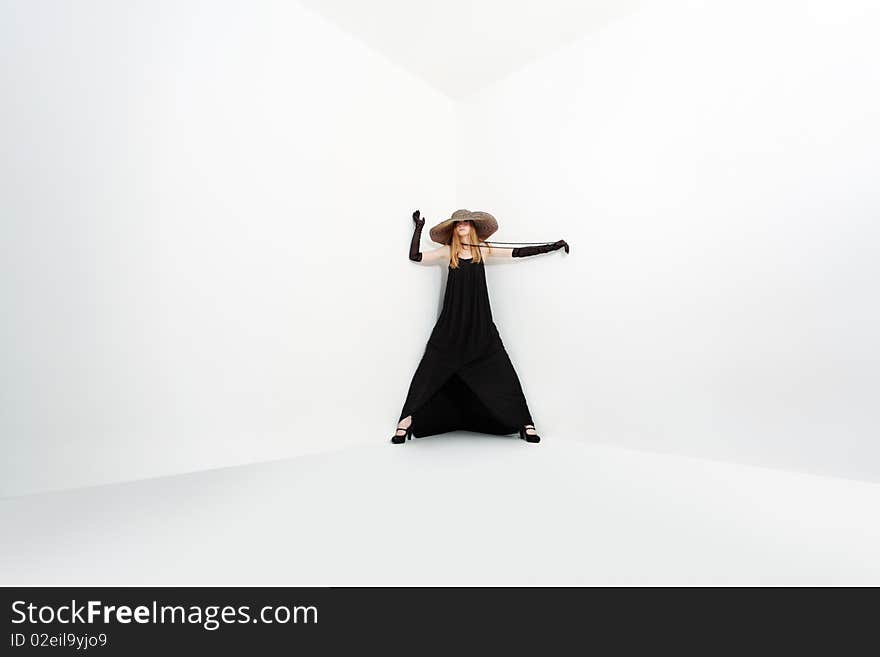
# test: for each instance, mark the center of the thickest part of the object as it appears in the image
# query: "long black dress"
(465, 380)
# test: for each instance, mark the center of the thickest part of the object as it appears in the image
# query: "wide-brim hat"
(484, 223)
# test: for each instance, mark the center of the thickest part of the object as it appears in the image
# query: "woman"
(465, 380)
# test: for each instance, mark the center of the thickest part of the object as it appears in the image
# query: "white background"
(205, 219)
(714, 166)
(205, 214)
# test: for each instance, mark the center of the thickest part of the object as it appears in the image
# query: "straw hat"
(484, 223)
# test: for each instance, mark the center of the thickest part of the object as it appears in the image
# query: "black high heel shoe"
(396, 439)
(528, 437)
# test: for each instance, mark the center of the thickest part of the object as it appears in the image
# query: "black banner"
(171, 620)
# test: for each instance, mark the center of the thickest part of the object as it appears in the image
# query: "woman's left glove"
(523, 251)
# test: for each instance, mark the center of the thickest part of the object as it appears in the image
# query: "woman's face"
(463, 227)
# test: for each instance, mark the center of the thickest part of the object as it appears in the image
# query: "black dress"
(465, 380)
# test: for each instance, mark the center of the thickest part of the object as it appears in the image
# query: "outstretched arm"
(494, 252)
(524, 251)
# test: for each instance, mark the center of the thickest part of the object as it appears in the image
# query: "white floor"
(458, 509)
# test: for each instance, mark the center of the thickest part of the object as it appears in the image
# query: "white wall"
(714, 167)
(205, 218)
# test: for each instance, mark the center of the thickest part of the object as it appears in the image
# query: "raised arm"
(414, 246)
(415, 253)
(440, 254)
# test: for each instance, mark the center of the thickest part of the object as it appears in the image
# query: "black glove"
(522, 251)
(414, 252)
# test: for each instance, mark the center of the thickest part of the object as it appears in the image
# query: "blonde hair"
(455, 246)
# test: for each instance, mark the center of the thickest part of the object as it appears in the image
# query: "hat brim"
(484, 223)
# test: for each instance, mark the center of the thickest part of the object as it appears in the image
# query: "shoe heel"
(397, 440)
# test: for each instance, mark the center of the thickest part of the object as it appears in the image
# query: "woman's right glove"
(414, 251)
(523, 251)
